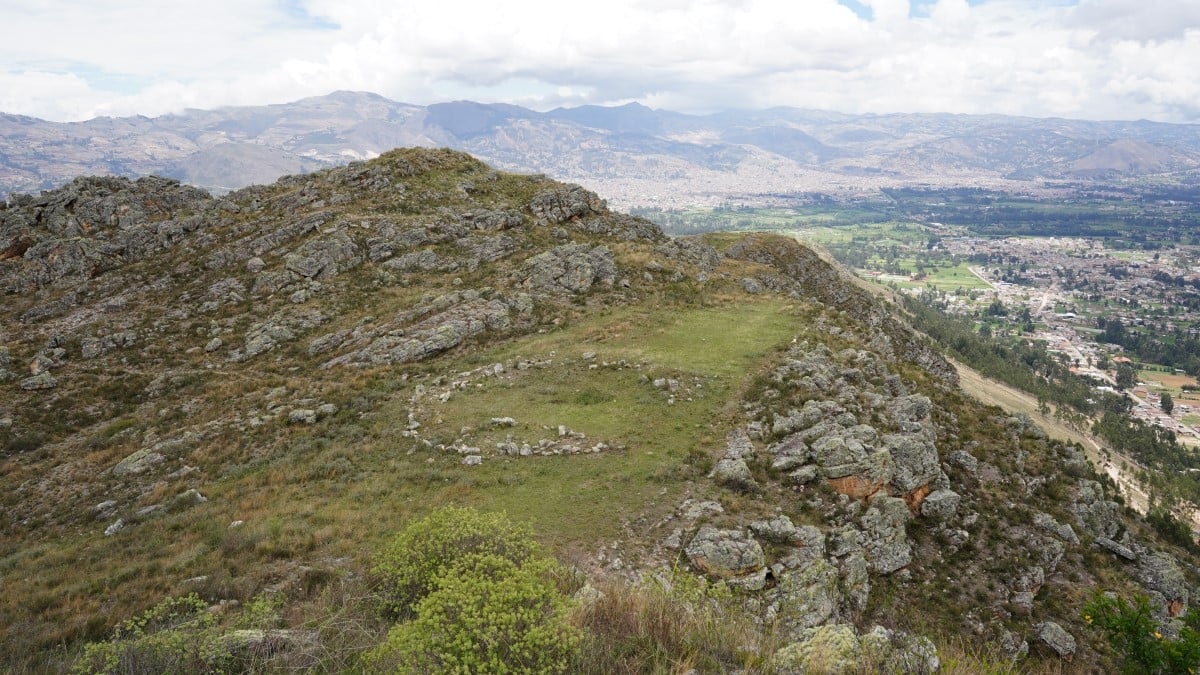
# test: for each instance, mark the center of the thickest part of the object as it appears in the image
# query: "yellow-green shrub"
(485, 614)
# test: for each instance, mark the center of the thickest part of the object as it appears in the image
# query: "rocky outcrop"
(429, 329)
(94, 225)
(569, 269)
(803, 598)
(886, 543)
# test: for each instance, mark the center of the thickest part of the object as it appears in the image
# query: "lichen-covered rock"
(803, 598)
(1047, 523)
(1097, 516)
(1159, 572)
(692, 251)
(138, 462)
(734, 474)
(779, 530)
(453, 319)
(570, 268)
(562, 204)
(725, 553)
(1057, 639)
(914, 460)
(941, 505)
(886, 542)
(43, 380)
(830, 649)
(898, 652)
(302, 416)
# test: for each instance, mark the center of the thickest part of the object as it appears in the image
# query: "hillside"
(248, 394)
(634, 155)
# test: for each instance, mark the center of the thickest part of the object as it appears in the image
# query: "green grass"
(582, 498)
(950, 278)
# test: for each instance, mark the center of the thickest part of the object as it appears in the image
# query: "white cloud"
(63, 59)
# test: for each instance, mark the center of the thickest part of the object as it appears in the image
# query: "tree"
(1167, 403)
(1126, 377)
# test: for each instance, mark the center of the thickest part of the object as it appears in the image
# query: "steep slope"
(230, 395)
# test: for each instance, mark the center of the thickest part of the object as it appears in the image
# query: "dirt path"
(1016, 401)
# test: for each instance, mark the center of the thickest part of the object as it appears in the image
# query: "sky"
(70, 60)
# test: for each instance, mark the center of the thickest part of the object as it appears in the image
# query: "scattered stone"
(138, 462)
(1057, 639)
(213, 345)
(114, 528)
(503, 422)
(779, 530)
(1115, 548)
(302, 416)
(752, 286)
(41, 381)
(326, 410)
(472, 460)
(693, 510)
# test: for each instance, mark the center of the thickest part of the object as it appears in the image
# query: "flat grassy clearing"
(1170, 381)
(946, 278)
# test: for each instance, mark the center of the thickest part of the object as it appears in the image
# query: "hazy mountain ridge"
(632, 152)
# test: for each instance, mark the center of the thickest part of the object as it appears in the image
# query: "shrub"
(486, 614)
(476, 594)
(1135, 635)
(410, 566)
(179, 635)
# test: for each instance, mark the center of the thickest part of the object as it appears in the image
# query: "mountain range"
(634, 155)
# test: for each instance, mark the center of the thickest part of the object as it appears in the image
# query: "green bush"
(486, 614)
(1136, 636)
(409, 567)
(476, 595)
(179, 635)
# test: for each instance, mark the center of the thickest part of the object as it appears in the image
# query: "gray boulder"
(302, 416)
(725, 553)
(1097, 516)
(915, 461)
(1057, 639)
(565, 203)
(1047, 523)
(941, 505)
(43, 380)
(324, 258)
(779, 530)
(138, 462)
(734, 474)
